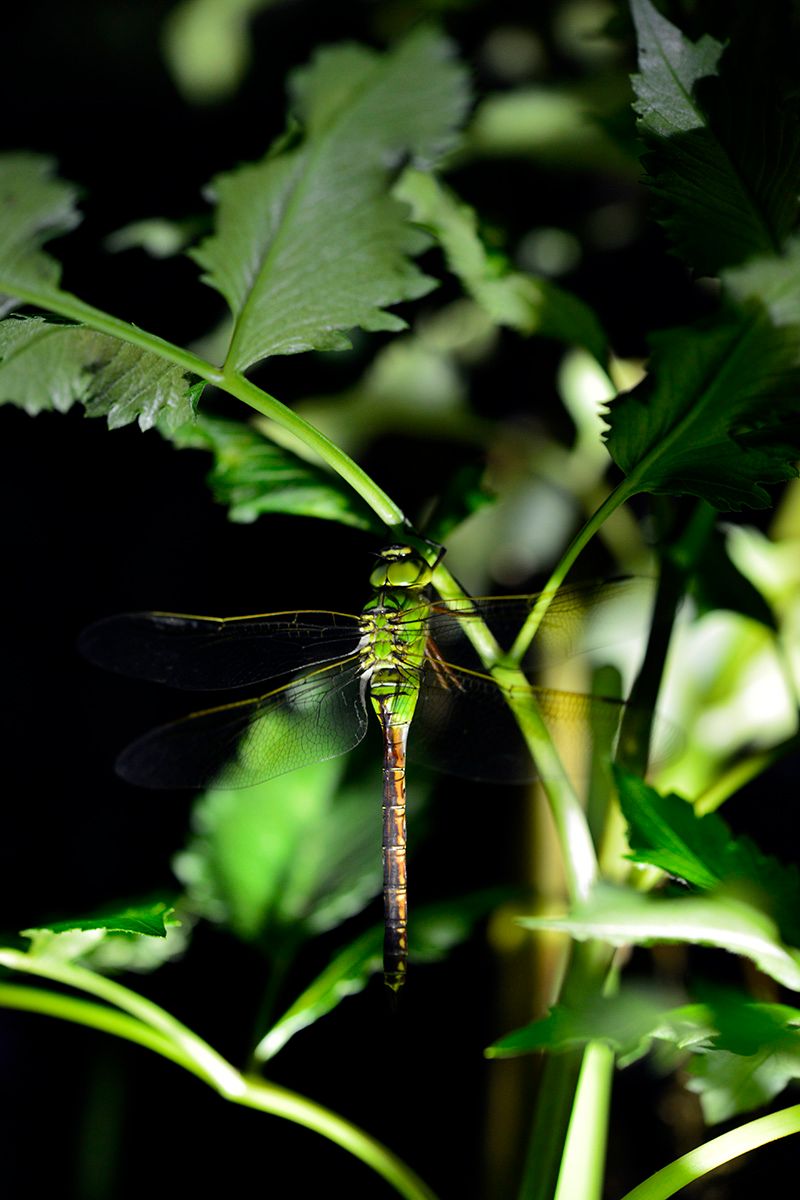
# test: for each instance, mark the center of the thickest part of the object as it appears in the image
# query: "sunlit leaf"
(47, 366)
(753, 1054)
(723, 140)
(347, 974)
(665, 832)
(622, 917)
(719, 414)
(524, 302)
(252, 475)
(434, 930)
(627, 1022)
(309, 242)
(35, 206)
(150, 918)
(291, 857)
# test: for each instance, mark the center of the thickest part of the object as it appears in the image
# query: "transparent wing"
(209, 653)
(463, 725)
(319, 716)
(583, 617)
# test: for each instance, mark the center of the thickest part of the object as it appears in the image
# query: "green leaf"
(252, 475)
(47, 366)
(463, 494)
(309, 241)
(34, 207)
(627, 1022)
(160, 237)
(288, 859)
(753, 1053)
(741, 1054)
(523, 302)
(347, 974)
(665, 832)
(433, 930)
(623, 917)
(150, 919)
(724, 146)
(717, 583)
(719, 413)
(207, 46)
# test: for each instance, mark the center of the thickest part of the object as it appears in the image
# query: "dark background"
(96, 523)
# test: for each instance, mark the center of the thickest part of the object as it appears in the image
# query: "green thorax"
(394, 626)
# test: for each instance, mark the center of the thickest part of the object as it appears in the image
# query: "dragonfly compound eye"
(409, 572)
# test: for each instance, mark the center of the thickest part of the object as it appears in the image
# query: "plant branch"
(719, 1150)
(69, 306)
(577, 846)
(584, 535)
(151, 1026)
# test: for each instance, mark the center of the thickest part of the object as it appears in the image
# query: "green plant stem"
(557, 1087)
(719, 1150)
(553, 1146)
(381, 504)
(152, 1027)
(69, 306)
(583, 1162)
(74, 309)
(575, 839)
(584, 535)
(95, 1016)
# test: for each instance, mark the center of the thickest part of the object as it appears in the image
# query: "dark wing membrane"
(206, 653)
(580, 618)
(463, 725)
(319, 716)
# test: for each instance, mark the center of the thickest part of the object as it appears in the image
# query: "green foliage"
(719, 584)
(34, 207)
(252, 475)
(523, 302)
(751, 1054)
(434, 930)
(320, 238)
(727, 919)
(45, 366)
(665, 832)
(309, 242)
(627, 1022)
(207, 47)
(149, 919)
(285, 860)
(739, 1053)
(718, 415)
(723, 141)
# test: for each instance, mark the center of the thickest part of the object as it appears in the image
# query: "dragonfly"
(406, 656)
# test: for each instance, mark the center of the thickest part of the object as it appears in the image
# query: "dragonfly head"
(401, 567)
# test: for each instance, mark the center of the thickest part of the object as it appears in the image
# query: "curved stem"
(210, 1066)
(584, 535)
(381, 504)
(67, 305)
(577, 846)
(155, 1029)
(719, 1150)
